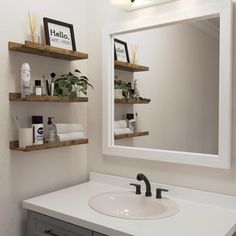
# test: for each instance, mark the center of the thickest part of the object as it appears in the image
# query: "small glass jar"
(37, 88)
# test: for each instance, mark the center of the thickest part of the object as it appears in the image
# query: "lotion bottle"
(52, 130)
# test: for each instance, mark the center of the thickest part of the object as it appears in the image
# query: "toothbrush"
(17, 121)
(44, 86)
(48, 87)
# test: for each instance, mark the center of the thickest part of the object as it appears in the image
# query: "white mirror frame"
(222, 8)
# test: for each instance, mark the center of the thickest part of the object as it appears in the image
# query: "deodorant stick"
(37, 125)
(25, 80)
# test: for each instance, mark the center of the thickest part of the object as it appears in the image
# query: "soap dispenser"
(52, 130)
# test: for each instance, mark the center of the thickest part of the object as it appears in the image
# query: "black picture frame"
(71, 38)
(124, 44)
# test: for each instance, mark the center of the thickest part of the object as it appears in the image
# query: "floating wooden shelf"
(132, 135)
(130, 101)
(47, 51)
(32, 98)
(130, 67)
(14, 145)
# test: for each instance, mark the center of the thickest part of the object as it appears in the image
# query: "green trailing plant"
(119, 84)
(143, 99)
(66, 85)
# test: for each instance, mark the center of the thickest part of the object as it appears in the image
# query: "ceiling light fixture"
(131, 5)
(138, 4)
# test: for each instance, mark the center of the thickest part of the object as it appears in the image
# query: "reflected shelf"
(131, 101)
(131, 135)
(119, 65)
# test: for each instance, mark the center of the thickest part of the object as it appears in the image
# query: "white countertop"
(213, 215)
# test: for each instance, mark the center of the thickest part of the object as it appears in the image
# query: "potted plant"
(70, 85)
(122, 89)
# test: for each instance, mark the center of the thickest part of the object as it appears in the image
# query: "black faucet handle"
(138, 188)
(159, 192)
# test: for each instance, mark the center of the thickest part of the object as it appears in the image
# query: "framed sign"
(59, 34)
(121, 51)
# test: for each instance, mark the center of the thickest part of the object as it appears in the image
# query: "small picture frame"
(121, 51)
(59, 34)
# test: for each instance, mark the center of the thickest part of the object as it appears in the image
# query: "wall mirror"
(167, 87)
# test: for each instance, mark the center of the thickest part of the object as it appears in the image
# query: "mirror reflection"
(167, 87)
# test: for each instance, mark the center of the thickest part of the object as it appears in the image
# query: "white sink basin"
(128, 205)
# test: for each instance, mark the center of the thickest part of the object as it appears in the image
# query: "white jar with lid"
(130, 121)
(37, 125)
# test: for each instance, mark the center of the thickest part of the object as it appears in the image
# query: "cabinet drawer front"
(41, 225)
(98, 234)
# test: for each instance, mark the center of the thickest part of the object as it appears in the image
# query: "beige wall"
(223, 181)
(25, 175)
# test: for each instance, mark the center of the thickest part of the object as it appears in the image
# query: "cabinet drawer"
(98, 234)
(41, 225)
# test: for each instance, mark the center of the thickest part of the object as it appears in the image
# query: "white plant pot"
(78, 93)
(118, 94)
(76, 88)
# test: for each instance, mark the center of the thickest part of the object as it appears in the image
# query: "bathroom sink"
(129, 205)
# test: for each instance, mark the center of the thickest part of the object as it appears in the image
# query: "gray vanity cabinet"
(42, 225)
(97, 234)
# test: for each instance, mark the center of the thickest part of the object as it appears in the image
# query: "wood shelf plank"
(14, 145)
(33, 98)
(131, 135)
(47, 51)
(130, 101)
(130, 67)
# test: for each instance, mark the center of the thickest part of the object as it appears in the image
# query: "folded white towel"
(64, 128)
(119, 124)
(122, 131)
(70, 136)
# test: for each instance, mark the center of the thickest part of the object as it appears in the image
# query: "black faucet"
(141, 177)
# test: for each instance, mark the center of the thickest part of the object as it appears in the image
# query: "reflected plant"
(127, 91)
(125, 87)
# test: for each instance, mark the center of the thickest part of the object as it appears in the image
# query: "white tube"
(52, 88)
